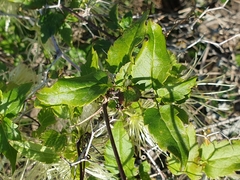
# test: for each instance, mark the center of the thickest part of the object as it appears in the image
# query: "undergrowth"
(89, 92)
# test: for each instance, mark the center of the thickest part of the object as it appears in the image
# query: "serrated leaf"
(46, 118)
(177, 92)
(153, 63)
(125, 150)
(66, 33)
(75, 91)
(50, 23)
(92, 63)
(54, 139)
(35, 151)
(9, 152)
(121, 51)
(113, 15)
(220, 158)
(169, 131)
(11, 129)
(13, 100)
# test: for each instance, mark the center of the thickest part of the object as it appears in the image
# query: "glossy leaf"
(177, 92)
(169, 131)
(13, 99)
(220, 158)
(35, 151)
(121, 51)
(125, 150)
(153, 63)
(75, 91)
(9, 152)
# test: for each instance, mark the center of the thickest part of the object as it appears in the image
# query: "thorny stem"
(105, 113)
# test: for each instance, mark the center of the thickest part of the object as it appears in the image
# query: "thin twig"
(208, 10)
(228, 121)
(88, 118)
(105, 113)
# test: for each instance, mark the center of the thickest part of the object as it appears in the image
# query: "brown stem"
(105, 113)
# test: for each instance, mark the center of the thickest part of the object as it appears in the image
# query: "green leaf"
(46, 118)
(66, 33)
(62, 111)
(122, 77)
(126, 21)
(144, 170)
(50, 23)
(35, 151)
(13, 100)
(153, 63)
(131, 94)
(125, 150)
(177, 92)
(54, 139)
(33, 4)
(193, 168)
(9, 152)
(220, 158)
(121, 51)
(11, 129)
(92, 63)
(75, 91)
(113, 15)
(169, 131)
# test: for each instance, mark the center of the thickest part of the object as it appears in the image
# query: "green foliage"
(13, 99)
(75, 91)
(6, 128)
(152, 64)
(125, 150)
(50, 23)
(124, 73)
(177, 92)
(54, 139)
(169, 131)
(46, 118)
(217, 156)
(121, 51)
(35, 151)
